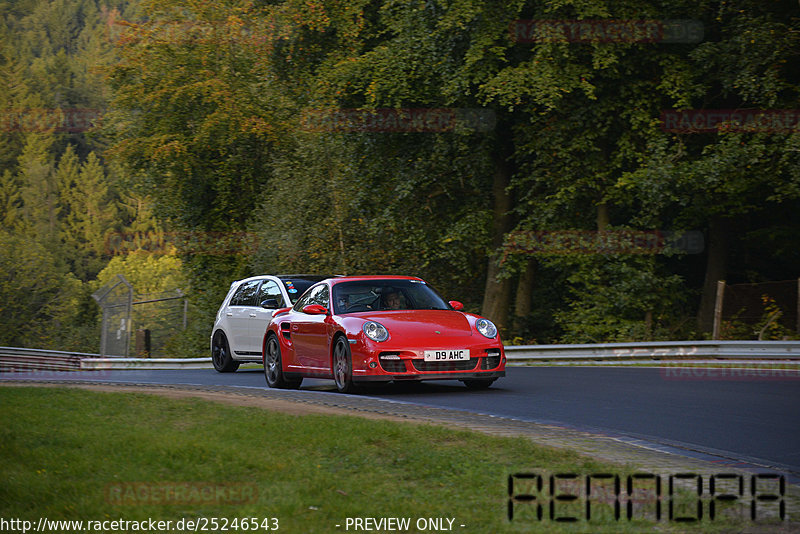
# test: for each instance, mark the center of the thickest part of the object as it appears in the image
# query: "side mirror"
(315, 309)
(270, 304)
(456, 305)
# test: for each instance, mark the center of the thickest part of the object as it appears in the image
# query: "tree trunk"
(715, 271)
(602, 217)
(497, 294)
(523, 299)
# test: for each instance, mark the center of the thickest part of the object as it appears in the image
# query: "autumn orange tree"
(196, 122)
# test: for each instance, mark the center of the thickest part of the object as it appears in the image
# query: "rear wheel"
(343, 366)
(221, 354)
(273, 367)
(479, 383)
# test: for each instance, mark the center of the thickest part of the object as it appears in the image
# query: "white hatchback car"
(242, 319)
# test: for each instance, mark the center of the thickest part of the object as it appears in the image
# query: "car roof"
(311, 277)
(368, 278)
(282, 277)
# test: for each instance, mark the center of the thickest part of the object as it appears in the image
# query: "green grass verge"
(84, 455)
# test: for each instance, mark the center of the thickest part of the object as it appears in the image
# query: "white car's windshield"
(373, 295)
(296, 286)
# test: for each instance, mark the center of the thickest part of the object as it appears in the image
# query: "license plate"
(450, 355)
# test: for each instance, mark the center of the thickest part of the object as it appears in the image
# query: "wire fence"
(154, 320)
(158, 318)
(116, 301)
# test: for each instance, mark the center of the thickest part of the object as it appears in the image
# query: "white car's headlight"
(376, 331)
(486, 327)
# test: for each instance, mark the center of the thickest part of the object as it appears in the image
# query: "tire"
(479, 383)
(221, 354)
(343, 366)
(273, 367)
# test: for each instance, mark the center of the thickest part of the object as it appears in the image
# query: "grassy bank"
(84, 455)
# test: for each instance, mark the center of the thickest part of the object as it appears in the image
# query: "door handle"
(229, 314)
(253, 315)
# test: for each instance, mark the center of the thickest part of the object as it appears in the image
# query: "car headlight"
(486, 328)
(376, 331)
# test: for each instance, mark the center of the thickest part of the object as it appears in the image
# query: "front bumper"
(387, 363)
(410, 377)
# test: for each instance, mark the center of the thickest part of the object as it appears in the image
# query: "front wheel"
(343, 366)
(478, 383)
(273, 367)
(221, 354)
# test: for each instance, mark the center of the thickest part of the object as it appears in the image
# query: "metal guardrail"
(116, 364)
(13, 359)
(657, 350)
(18, 359)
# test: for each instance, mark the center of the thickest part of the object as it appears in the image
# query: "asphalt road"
(751, 419)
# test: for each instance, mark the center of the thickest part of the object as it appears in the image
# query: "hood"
(423, 323)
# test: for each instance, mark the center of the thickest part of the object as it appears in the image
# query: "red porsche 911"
(358, 329)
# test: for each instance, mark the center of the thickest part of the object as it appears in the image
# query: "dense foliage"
(280, 136)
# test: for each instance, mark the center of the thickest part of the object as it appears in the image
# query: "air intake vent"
(391, 362)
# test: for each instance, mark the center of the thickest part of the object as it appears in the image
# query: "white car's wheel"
(221, 354)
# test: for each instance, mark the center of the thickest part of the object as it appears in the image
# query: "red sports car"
(358, 329)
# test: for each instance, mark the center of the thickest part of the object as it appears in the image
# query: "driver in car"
(393, 300)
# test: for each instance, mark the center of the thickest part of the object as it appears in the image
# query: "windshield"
(360, 296)
(296, 286)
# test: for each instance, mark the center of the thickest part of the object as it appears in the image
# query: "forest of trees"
(509, 162)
